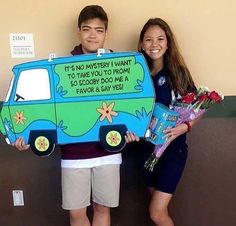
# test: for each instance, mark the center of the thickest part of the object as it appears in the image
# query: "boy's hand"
(20, 144)
(131, 137)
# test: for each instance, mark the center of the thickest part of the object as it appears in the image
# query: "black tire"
(112, 138)
(42, 142)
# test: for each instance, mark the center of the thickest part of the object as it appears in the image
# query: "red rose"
(214, 96)
(189, 98)
(203, 98)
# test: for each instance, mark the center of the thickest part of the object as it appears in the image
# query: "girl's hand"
(20, 144)
(173, 133)
(131, 137)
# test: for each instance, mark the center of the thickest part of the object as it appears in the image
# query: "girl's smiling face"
(155, 43)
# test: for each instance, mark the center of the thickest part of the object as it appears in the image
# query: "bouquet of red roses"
(189, 107)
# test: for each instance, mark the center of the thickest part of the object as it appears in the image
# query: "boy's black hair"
(92, 12)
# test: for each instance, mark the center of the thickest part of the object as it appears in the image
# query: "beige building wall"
(205, 31)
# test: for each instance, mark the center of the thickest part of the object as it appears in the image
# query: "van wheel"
(42, 143)
(112, 138)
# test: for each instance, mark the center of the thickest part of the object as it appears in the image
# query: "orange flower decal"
(19, 117)
(113, 138)
(106, 112)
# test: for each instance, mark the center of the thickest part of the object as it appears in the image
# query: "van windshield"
(33, 84)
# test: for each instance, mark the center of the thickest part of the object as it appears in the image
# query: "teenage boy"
(88, 168)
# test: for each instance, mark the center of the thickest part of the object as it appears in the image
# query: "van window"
(33, 84)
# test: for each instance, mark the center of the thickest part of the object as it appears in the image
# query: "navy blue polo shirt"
(162, 88)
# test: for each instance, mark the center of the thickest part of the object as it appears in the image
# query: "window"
(33, 84)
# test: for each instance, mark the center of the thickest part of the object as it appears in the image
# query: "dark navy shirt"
(162, 88)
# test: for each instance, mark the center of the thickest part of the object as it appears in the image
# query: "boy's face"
(92, 35)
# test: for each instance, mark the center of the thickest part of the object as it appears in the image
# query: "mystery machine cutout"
(85, 98)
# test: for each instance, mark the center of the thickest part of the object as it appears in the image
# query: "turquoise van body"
(85, 98)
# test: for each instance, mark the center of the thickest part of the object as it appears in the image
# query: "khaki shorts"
(77, 183)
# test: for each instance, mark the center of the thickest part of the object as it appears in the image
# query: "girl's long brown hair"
(180, 77)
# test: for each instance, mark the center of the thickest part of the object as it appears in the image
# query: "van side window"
(33, 84)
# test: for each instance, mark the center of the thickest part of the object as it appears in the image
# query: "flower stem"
(151, 162)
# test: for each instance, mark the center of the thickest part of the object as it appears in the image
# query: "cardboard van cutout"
(85, 98)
